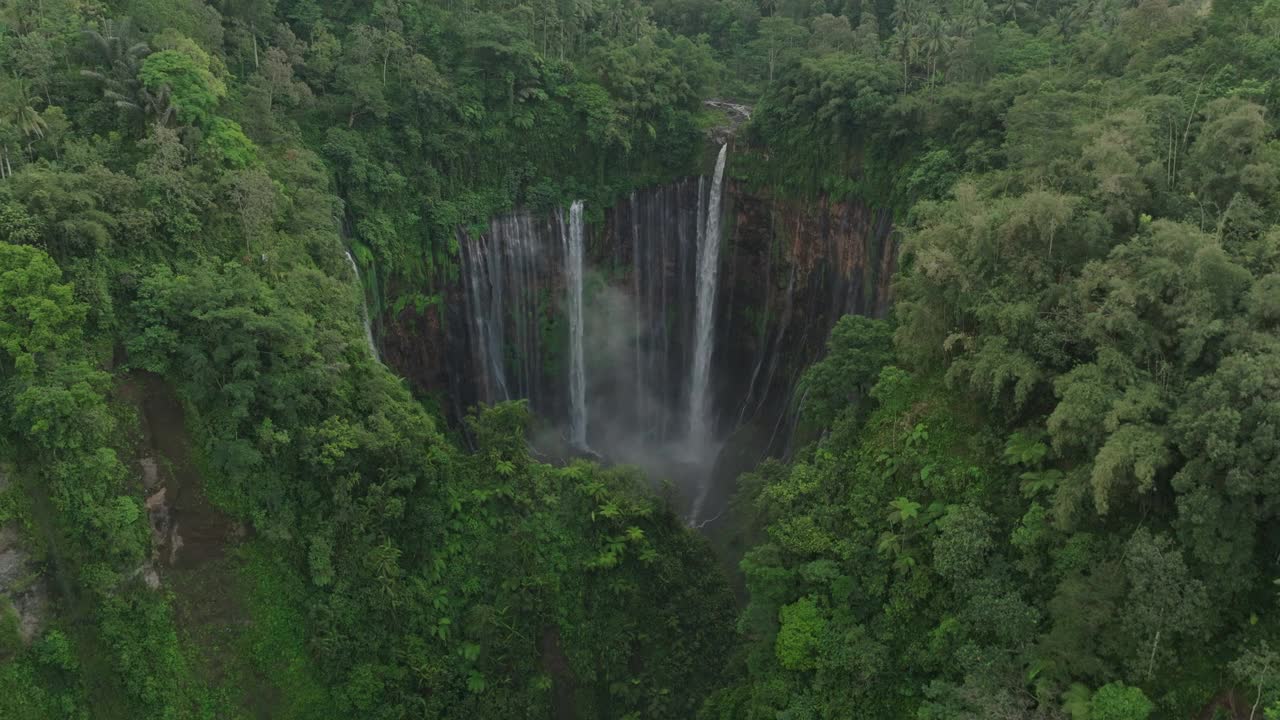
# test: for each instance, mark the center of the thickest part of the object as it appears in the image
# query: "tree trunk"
(1151, 664)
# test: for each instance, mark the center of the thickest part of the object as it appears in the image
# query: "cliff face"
(792, 270)
(788, 271)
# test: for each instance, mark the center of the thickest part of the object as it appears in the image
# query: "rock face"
(788, 271)
(735, 115)
(186, 530)
(793, 269)
(22, 587)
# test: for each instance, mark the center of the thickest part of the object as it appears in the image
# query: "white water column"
(573, 242)
(368, 328)
(704, 322)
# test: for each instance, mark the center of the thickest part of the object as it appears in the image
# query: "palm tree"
(18, 112)
(904, 17)
(934, 41)
(1070, 18)
(117, 55)
(116, 48)
(1009, 9)
(969, 16)
(29, 122)
(905, 13)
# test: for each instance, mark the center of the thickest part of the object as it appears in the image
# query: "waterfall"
(368, 328)
(637, 280)
(688, 340)
(704, 320)
(573, 250)
(481, 272)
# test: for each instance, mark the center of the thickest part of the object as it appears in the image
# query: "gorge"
(693, 334)
(640, 360)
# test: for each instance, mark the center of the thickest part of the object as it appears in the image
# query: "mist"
(631, 419)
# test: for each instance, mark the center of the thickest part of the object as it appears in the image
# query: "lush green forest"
(1047, 486)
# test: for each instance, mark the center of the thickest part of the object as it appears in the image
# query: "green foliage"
(1116, 701)
(60, 423)
(857, 349)
(185, 74)
(1087, 255)
(800, 633)
(1060, 475)
(35, 684)
(226, 141)
(39, 316)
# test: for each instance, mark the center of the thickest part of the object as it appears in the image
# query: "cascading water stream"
(573, 247)
(368, 328)
(699, 440)
(671, 316)
(704, 319)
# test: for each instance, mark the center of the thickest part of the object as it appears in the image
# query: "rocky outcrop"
(187, 531)
(735, 115)
(24, 596)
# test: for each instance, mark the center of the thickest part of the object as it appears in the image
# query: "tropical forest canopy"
(1047, 486)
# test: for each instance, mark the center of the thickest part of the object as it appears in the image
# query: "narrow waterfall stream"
(368, 327)
(700, 440)
(705, 317)
(573, 246)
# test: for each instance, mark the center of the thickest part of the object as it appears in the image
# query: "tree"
(1165, 605)
(183, 73)
(1010, 9)
(800, 634)
(1117, 701)
(779, 38)
(171, 187)
(935, 41)
(832, 33)
(359, 77)
(1230, 154)
(277, 81)
(253, 194)
(838, 384)
(19, 113)
(1258, 668)
(115, 54)
(38, 317)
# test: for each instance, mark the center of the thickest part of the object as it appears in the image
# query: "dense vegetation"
(1061, 499)
(177, 179)
(1048, 487)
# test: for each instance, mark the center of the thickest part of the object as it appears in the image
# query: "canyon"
(691, 357)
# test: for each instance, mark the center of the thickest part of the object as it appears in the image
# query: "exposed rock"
(735, 114)
(169, 475)
(149, 574)
(150, 472)
(160, 516)
(21, 584)
(175, 545)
